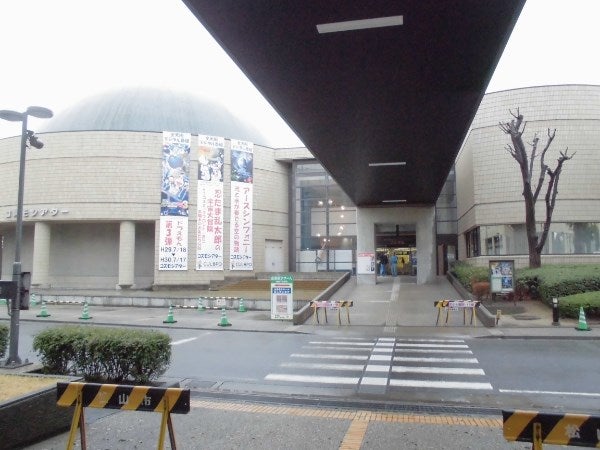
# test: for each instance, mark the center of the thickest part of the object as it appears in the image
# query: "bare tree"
(517, 150)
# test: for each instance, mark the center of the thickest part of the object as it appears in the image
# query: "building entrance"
(398, 240)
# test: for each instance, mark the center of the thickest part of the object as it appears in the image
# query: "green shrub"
(466, 274)
(590, 301)
(3, 340)
(560, 280)
(104, 354)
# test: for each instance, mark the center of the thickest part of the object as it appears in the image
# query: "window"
(472, 241)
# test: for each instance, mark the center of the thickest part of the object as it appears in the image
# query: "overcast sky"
(56, 52)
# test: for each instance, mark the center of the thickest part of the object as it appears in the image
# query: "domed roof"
(150, 109)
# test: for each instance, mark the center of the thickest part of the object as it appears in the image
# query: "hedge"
(570, 305)
(104, 354)
(3, 340)
(575, 285)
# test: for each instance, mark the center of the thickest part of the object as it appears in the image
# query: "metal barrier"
(455, 305)
(115, 396)
(332, 304)
(580, 430)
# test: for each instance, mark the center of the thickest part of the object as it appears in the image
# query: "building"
(93, 194)
(144, 188)
(490, 209)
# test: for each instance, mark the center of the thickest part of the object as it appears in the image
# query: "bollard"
(555, 318)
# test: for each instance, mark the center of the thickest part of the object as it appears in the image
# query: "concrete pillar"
(126, 255)
(40, 272)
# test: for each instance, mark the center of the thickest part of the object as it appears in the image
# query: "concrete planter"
(33, 417)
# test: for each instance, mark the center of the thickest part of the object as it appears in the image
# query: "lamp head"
(11, 116)
(33, 140)
(39, 111)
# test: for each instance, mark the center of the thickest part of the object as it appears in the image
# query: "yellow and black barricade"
(331, 304)
(131, 398)
(580, 430)
(455, 305)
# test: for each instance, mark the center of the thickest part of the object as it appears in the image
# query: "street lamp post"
(14, 116)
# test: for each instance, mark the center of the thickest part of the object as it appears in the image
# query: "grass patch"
(13, 385)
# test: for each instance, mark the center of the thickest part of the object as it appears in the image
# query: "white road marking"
(183, 341)
(325, 347)
(329, 356)
(323, 366)
(374, 381)
(424, 350)
(377, 368)
(430, 340)
(438, 360)
(311, 379)
(579, 394)
(401, 345)
(440, 384)
(358, 344)
(444, 370)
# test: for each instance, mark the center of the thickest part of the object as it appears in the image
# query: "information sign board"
(282, 297)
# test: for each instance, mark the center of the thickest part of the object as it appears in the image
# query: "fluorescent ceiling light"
(397, 163)
(393, 201)
(349, 25)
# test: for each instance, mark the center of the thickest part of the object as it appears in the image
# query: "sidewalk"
(394, 306)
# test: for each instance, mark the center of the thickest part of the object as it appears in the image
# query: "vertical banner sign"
(282, 297)
(209, 243)
(240, 239)
(174, 200)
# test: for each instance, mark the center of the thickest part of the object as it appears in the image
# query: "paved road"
(388, 381)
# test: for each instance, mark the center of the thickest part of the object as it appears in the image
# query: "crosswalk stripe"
(347, 349)
(317, 366)
(429, 340)
(374, 381)
(327, 356)
(399, 345)
(311, 379)
(426, 350)
(433, 360)
(444, 370)
(358, 344)
(440, 384)
(377, 368)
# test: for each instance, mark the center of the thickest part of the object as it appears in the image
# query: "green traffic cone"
(170, 318)
(582, 325)
(85, 314)
(242, 307)
(224, 322)
(43, 311)
(32, 300)
(201, 306)
(2, 301)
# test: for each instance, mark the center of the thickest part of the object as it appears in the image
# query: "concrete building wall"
(494, 196)
(84, 184)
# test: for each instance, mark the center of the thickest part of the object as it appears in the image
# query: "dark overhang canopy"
(398, 90)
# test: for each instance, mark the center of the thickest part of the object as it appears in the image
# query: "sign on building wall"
(365, 263)
(240, 238)
(209, 243)
(174, 201)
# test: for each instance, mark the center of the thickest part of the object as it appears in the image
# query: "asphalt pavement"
(392, 307)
